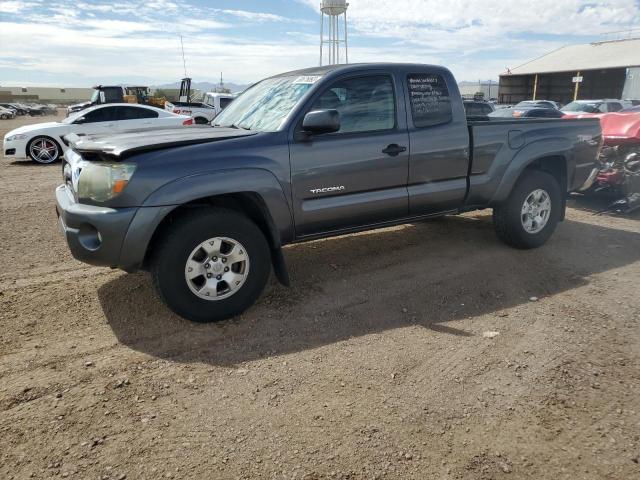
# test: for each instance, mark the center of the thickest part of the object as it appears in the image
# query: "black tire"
(174, 248)
(44, 161)
(507, 218)
(200, 121)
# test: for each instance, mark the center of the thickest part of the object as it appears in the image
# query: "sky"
(79, 43)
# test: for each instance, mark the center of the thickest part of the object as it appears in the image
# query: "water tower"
(334, 10)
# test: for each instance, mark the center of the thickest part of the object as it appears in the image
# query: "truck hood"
(621, 128)
(126, 144)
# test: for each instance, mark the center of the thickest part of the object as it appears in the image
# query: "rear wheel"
(211, 265)
(531, 213)
(200, 121)
(44, 150)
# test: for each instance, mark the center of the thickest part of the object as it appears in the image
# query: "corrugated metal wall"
(559, 87)
(631, 89)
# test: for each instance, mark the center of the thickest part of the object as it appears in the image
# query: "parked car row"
(547, 108)
(11, 110)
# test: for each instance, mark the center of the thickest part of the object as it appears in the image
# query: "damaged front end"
(619, 159)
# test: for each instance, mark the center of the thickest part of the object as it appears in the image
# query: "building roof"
(590, 56)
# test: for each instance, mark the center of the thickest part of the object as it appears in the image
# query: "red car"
(620, 156)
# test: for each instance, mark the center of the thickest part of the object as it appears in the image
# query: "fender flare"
(191, 188)
(554, 147)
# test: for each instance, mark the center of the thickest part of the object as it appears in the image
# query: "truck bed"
(496, 146)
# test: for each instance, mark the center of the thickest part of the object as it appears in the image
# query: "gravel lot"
(377, 363)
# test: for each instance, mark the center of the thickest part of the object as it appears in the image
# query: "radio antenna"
(184, 62)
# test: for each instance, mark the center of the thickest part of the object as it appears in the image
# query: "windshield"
(264, 106)
(583, 107)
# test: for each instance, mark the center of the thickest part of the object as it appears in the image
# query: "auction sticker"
(307, 79)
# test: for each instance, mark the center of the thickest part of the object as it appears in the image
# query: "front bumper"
(16, 149)
(94, 234)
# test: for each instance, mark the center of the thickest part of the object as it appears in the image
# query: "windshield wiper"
(233, 125)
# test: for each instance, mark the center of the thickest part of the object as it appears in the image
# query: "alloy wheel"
(217, 268)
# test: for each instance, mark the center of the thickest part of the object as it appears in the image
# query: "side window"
(602, 108)
(112, 95)
(365, 104)
(614, 107)
(472, 109)
(99, 115)
(134, 113)
(486, 109)
(430, 101)
(224, 102)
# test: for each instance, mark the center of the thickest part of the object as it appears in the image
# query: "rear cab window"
(429, 99)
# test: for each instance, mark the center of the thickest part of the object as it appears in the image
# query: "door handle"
(394, 149)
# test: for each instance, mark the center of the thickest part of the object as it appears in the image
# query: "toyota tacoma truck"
(304, 155)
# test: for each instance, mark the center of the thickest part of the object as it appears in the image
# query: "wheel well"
(247, 203)
(200, 120)
(556, 166)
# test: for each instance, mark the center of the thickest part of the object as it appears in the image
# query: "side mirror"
(80, 120)
(319, 122)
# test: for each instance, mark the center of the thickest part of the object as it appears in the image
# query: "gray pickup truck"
(309, 154)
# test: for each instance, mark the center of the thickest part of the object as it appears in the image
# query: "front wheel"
(44, 150)
(530, 215)
(211, 265)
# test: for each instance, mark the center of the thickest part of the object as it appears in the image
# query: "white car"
(6, 113)
(42, 142)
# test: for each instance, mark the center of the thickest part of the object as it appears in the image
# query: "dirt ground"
(376, 363)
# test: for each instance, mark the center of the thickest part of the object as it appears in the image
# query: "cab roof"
(323, 70)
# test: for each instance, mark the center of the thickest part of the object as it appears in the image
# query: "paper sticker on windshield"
(306, 80)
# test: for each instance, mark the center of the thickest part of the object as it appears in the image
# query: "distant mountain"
(206, 86)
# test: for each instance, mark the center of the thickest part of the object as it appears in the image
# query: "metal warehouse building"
(596, 70)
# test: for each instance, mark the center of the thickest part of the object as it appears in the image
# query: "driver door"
(358, 175)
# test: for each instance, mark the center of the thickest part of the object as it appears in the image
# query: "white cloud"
(512, 31)
(11, 6)
(543, 16)
(136, 40)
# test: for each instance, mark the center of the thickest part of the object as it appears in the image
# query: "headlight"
(103, 181)
(19, 136)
